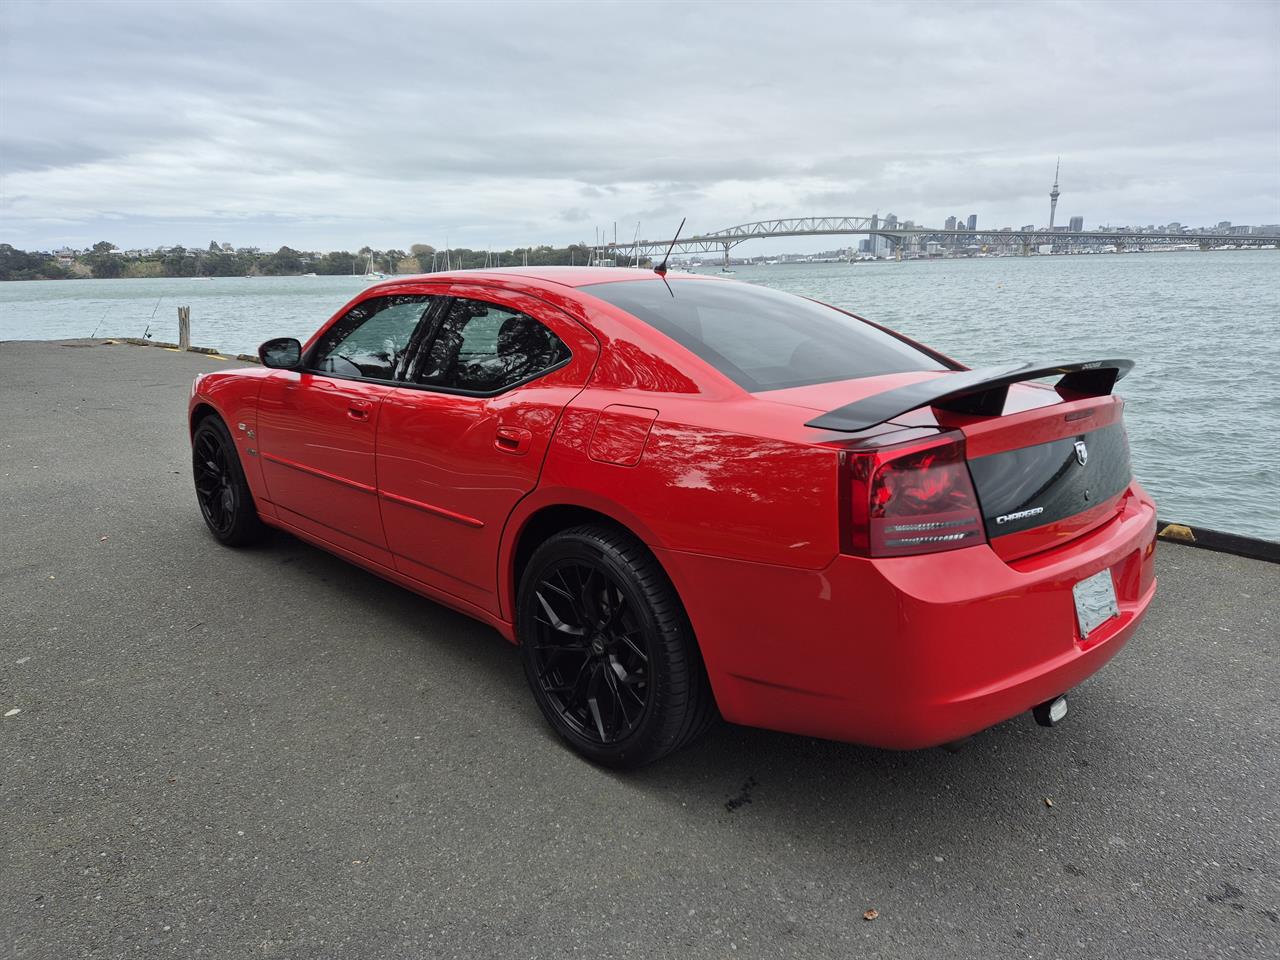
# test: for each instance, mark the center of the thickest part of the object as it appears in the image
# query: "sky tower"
(1053, 194)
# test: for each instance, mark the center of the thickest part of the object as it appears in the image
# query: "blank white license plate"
(1095, 602)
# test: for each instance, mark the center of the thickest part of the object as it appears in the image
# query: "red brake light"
(912, 501)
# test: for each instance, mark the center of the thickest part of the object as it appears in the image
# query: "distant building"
(973, 221)
(1027, 228)
(1077, 224)
(1175, 226)
(950, 224)
(1224, 224)
(875, 246)
(891, 220)
(1054, 194)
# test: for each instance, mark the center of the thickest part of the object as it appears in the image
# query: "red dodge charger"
(687, 496)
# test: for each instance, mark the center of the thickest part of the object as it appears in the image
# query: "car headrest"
(520, 334)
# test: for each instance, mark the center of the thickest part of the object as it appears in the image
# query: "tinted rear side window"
(760, 338)
(482, 348)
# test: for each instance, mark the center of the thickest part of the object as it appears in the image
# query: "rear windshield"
(760, 338)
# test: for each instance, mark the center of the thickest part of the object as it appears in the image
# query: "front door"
(456, 454)
(317, 427)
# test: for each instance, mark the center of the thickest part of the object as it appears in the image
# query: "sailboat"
(371, 274)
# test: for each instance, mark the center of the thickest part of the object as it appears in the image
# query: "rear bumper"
(911, 652)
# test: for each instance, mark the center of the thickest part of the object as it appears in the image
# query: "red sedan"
(687, 496)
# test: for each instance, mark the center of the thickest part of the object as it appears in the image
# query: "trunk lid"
(1036, 488)
(1048, 474)
(1048, 464)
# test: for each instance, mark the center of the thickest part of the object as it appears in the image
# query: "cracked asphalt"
(270, 753)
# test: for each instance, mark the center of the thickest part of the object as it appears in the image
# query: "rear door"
(317, 427)
(456, 452)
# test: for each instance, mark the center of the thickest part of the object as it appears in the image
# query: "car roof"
(560, 276)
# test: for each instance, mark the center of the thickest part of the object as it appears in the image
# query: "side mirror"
(283, 353)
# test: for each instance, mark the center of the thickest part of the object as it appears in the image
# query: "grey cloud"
(21, 154)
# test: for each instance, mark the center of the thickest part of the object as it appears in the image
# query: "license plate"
(1095, 602)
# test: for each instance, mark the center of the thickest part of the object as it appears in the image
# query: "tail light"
(908, 501)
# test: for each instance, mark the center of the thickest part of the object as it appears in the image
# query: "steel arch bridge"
(722, 241)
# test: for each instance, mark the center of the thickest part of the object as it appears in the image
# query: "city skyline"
(872, 244)
(967, 234)
(1223, 229)
(965, 222)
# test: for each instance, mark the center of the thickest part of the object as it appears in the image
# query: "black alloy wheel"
(226, 502)
(608, 650)
(589, 663)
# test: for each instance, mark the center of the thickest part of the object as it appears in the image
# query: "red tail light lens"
(904, 502)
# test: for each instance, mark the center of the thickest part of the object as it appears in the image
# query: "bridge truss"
(722, 241)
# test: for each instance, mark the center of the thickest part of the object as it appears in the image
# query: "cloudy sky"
(326, 126)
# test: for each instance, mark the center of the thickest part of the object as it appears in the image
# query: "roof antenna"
(661, 269)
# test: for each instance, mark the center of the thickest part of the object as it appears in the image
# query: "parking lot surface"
(270, 753)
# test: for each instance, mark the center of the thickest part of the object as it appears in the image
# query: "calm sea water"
(1204, 399)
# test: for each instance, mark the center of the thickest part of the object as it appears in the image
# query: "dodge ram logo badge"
(1082, 453)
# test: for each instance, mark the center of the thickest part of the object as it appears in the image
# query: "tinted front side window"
(763, 339)
(372, 340)
(482, 347)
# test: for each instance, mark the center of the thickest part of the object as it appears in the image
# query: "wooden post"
(184, 328)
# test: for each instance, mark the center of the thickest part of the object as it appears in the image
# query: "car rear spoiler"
(980, 392)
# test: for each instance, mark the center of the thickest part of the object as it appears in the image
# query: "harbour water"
(1204, 328)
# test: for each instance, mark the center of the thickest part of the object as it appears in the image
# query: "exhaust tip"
(1051, 712)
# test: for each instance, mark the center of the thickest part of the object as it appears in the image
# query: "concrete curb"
(1217, 540)
(164, 345)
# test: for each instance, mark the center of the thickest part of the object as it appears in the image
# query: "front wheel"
(226, 502)
(608, 650)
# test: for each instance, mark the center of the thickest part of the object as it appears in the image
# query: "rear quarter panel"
(698, 487)
(720, 472)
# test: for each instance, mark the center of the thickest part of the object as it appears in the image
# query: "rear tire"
(608, 650)
(226, 502)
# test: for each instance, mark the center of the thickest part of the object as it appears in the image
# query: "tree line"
(105, 261)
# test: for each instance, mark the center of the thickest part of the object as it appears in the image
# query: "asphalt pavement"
(270, 753)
